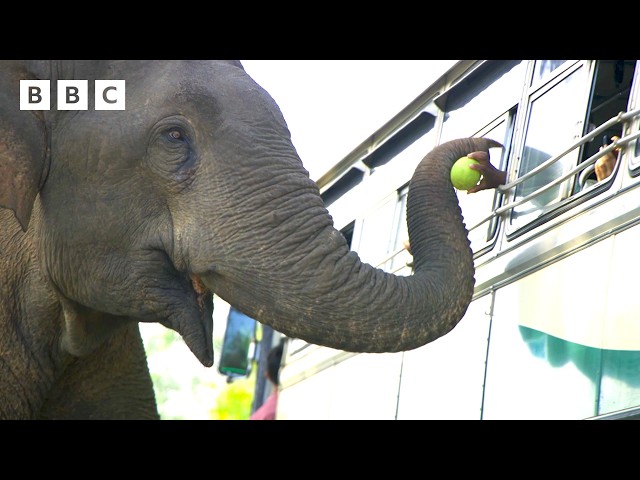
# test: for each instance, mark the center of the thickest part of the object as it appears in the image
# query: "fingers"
(615, 138)
(475, 189)
(491, 176)
(480, 156)
(480, 167)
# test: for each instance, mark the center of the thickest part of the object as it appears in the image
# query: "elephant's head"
(195, 189)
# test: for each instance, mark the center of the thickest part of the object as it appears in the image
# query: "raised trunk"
(337, 301)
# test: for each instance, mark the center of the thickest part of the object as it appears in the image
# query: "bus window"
(401, 233)
(544, 68)
(634, 161)
(609, 97)
(555, 117)
(372, 246)
(477, 207)
(347, 232)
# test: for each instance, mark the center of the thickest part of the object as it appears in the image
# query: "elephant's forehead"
(196, 84)
(202, 90)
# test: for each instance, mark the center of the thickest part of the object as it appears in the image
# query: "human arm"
(604, 165)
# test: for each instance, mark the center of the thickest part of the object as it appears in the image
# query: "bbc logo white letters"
(72, 94)
(34, 95)
(109, 94)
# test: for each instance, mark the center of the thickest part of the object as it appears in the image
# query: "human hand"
(407, 245)
(491, 176)
(604, 165)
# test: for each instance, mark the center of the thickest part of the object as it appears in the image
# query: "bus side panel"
(362, 387)
(294, 402)
(443, 380)
(620, 386)
(546, 340)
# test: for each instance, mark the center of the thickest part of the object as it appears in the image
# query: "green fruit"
(463, 177)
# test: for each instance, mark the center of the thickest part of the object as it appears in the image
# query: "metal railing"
(622, 117)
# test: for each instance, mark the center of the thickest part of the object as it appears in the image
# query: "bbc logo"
(72, 94)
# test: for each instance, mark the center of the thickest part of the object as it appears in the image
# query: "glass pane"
(544, 68)
(402, 234)
(477, 206)
(554, 124)
(373, 245)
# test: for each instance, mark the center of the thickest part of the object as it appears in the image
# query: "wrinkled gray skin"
(112, 218)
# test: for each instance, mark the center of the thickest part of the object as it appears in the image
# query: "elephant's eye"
(176, 135)
(171, 151)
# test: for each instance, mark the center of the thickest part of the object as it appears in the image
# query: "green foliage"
(187, 390)
(234, 402)
(184, 388)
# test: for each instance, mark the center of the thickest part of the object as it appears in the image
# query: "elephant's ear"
(23, 147)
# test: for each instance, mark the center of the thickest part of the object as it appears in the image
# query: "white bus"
(553, 330)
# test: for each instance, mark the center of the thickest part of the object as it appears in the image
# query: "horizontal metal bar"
(620, 118)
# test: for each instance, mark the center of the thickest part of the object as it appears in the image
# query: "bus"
(553, 328)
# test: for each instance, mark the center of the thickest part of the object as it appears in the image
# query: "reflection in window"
(554, 123)
(545, 67)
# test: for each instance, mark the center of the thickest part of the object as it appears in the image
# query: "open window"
(609, 96)
(554, 122)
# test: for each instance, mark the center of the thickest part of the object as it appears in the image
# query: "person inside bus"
(267, 411)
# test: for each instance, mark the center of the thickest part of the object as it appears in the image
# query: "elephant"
(114, 217)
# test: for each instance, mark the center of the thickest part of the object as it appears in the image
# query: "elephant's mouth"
(194, 321)
(199, 335)
(199, 288)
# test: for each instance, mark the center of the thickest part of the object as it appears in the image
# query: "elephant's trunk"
(338, 301)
